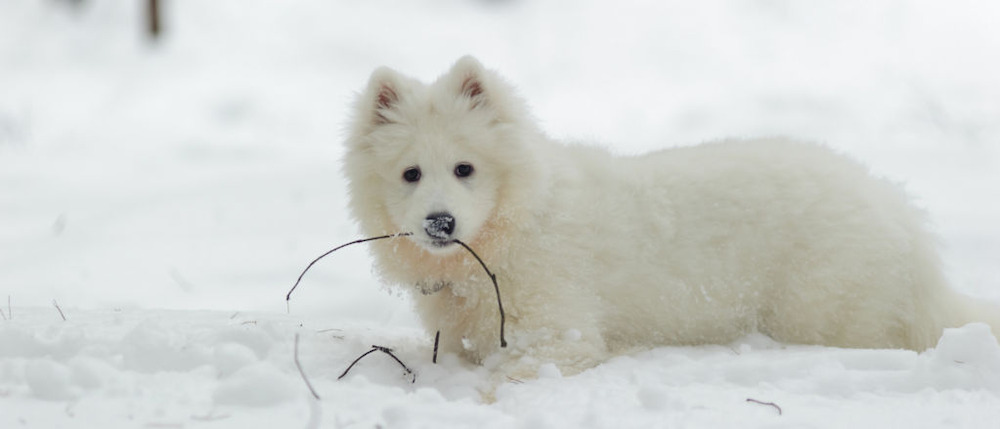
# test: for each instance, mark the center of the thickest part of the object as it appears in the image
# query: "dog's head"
(432, 159)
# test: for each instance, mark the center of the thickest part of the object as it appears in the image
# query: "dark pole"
(153, 18)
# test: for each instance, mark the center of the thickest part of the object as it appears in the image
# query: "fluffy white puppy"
(596, 254)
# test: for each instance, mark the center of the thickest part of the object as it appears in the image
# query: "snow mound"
(257, 385)
(965, 358)
(161, 367)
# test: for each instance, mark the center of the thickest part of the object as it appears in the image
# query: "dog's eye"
(463, 170)
(412, 174)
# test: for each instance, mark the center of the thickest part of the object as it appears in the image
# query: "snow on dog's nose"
(439, 226)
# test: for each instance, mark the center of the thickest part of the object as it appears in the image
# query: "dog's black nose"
(439, 225)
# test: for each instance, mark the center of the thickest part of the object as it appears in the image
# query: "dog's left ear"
(471, 79)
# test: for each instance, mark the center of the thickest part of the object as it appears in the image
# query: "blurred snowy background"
(200, 170)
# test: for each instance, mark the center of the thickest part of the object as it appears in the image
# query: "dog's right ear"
(381, 99)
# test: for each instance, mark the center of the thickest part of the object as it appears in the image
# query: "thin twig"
(289, 296)
(437, 338)
(493, 277)
(772, 404)
(344, 374)
(303, 373)
(56, 304)
(503, 318)
(388, 351)
(385, 350)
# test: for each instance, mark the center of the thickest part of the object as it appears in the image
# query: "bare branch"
(388, 351)
(385, 350)
(503, 317)
(301, 372)
(56, 304)
(289, 296)
(349, 367)
(437, 338)
(772, 404)
(493, 277)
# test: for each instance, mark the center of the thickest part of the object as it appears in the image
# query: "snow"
(167, 195)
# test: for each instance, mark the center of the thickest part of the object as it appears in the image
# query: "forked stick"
(289, 296)
(385, 350)
(493, 277)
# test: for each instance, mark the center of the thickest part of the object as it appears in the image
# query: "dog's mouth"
(437, 244)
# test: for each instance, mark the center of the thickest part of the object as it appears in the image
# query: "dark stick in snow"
(437, 337)
(765, 403)
(385, 350)
(503, 318)
(56, 304)
(299, 366)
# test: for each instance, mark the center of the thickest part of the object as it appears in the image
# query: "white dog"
(596, 254)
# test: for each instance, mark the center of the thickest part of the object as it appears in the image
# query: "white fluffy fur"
(597, 254)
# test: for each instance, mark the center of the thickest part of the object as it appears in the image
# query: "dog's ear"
(382, 96)
(483, 91)
(471, 78)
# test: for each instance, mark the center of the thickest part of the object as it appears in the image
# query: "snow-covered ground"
(166, 195)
